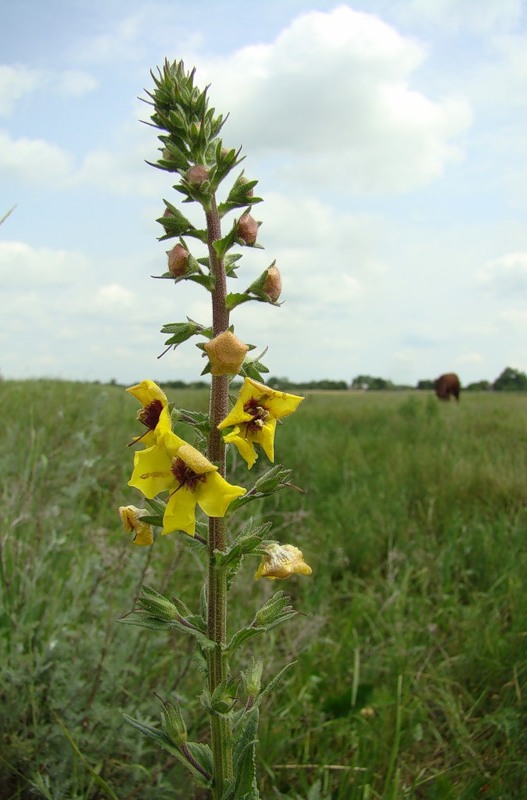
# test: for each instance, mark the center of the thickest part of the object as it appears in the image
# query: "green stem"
(217, 579)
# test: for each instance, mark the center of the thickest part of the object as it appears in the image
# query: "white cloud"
(474, 15)
(506, 275)
(22, 265)
(34, 160)
(114, 298)
(75, 83)
(332, 96)
(15, 81)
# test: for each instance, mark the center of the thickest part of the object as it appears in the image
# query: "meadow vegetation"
(411, 647)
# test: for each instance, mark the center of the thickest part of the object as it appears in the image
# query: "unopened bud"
(247, 229)
(157, 605)
(178, 261)
(173, 723)
(166, 215)
(272, 284)
(197, 175)
(226, 353)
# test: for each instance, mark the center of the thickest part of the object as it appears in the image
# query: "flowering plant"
(177, 480)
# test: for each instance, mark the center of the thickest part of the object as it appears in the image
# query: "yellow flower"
(254, 418)
(226, 353)
(131, 519)
(281, 561)
(154, 415)
(173, 465)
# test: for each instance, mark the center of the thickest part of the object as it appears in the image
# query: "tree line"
(510, 380)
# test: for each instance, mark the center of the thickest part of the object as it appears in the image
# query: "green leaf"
(236, 299)
(244, 758)
(200, 753)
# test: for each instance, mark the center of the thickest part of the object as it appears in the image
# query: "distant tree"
(371, 383)
(478, 386)
(278, 383)
(511, 380)
(425, 384)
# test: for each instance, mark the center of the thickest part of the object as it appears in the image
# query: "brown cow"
(447, 385)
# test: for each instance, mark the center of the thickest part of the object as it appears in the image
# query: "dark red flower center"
(149, 415)
(259, 413)
(185, 476)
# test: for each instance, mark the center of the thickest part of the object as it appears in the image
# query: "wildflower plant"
(185, 485)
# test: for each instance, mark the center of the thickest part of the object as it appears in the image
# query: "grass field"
(411, 649)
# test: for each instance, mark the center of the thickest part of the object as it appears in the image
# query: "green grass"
(411, 649)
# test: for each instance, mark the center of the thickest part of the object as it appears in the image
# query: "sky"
(389, 139)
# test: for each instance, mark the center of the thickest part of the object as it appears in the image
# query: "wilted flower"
(226, 353)
(254, 418)
(154, 415)
(281, 561)
(131, 519)
(173, 465)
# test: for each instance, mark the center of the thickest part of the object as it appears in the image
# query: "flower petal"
(180, 512)
(147, 391)
(265, 437)
(152, 471)
(215, 494)
(244, 445)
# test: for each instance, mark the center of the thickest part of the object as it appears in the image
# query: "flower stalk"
(180, 481)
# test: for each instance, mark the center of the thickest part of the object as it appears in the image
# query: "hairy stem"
(217, 582)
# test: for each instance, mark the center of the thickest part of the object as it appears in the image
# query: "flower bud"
(131, 519)
(247, 229)
(173, 723)
(226, 353)
(197, 175)
(157, 605)
(178, 261)
(167, 213)
(272, 284)
(253, 678)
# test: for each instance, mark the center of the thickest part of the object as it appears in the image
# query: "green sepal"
(225, 161)
(273, 683)
(253, 367)
(207, 281)
(270, 482)
(247, 542)
(239, 196)
(234, 299)
(222, 246)
(197, 419)
(157, 506)
(222, 699)
(175, 225)
(201, 754)
(181, 331)
(153, 519)
(273, 612)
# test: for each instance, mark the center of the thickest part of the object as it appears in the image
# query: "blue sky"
(389, 141)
